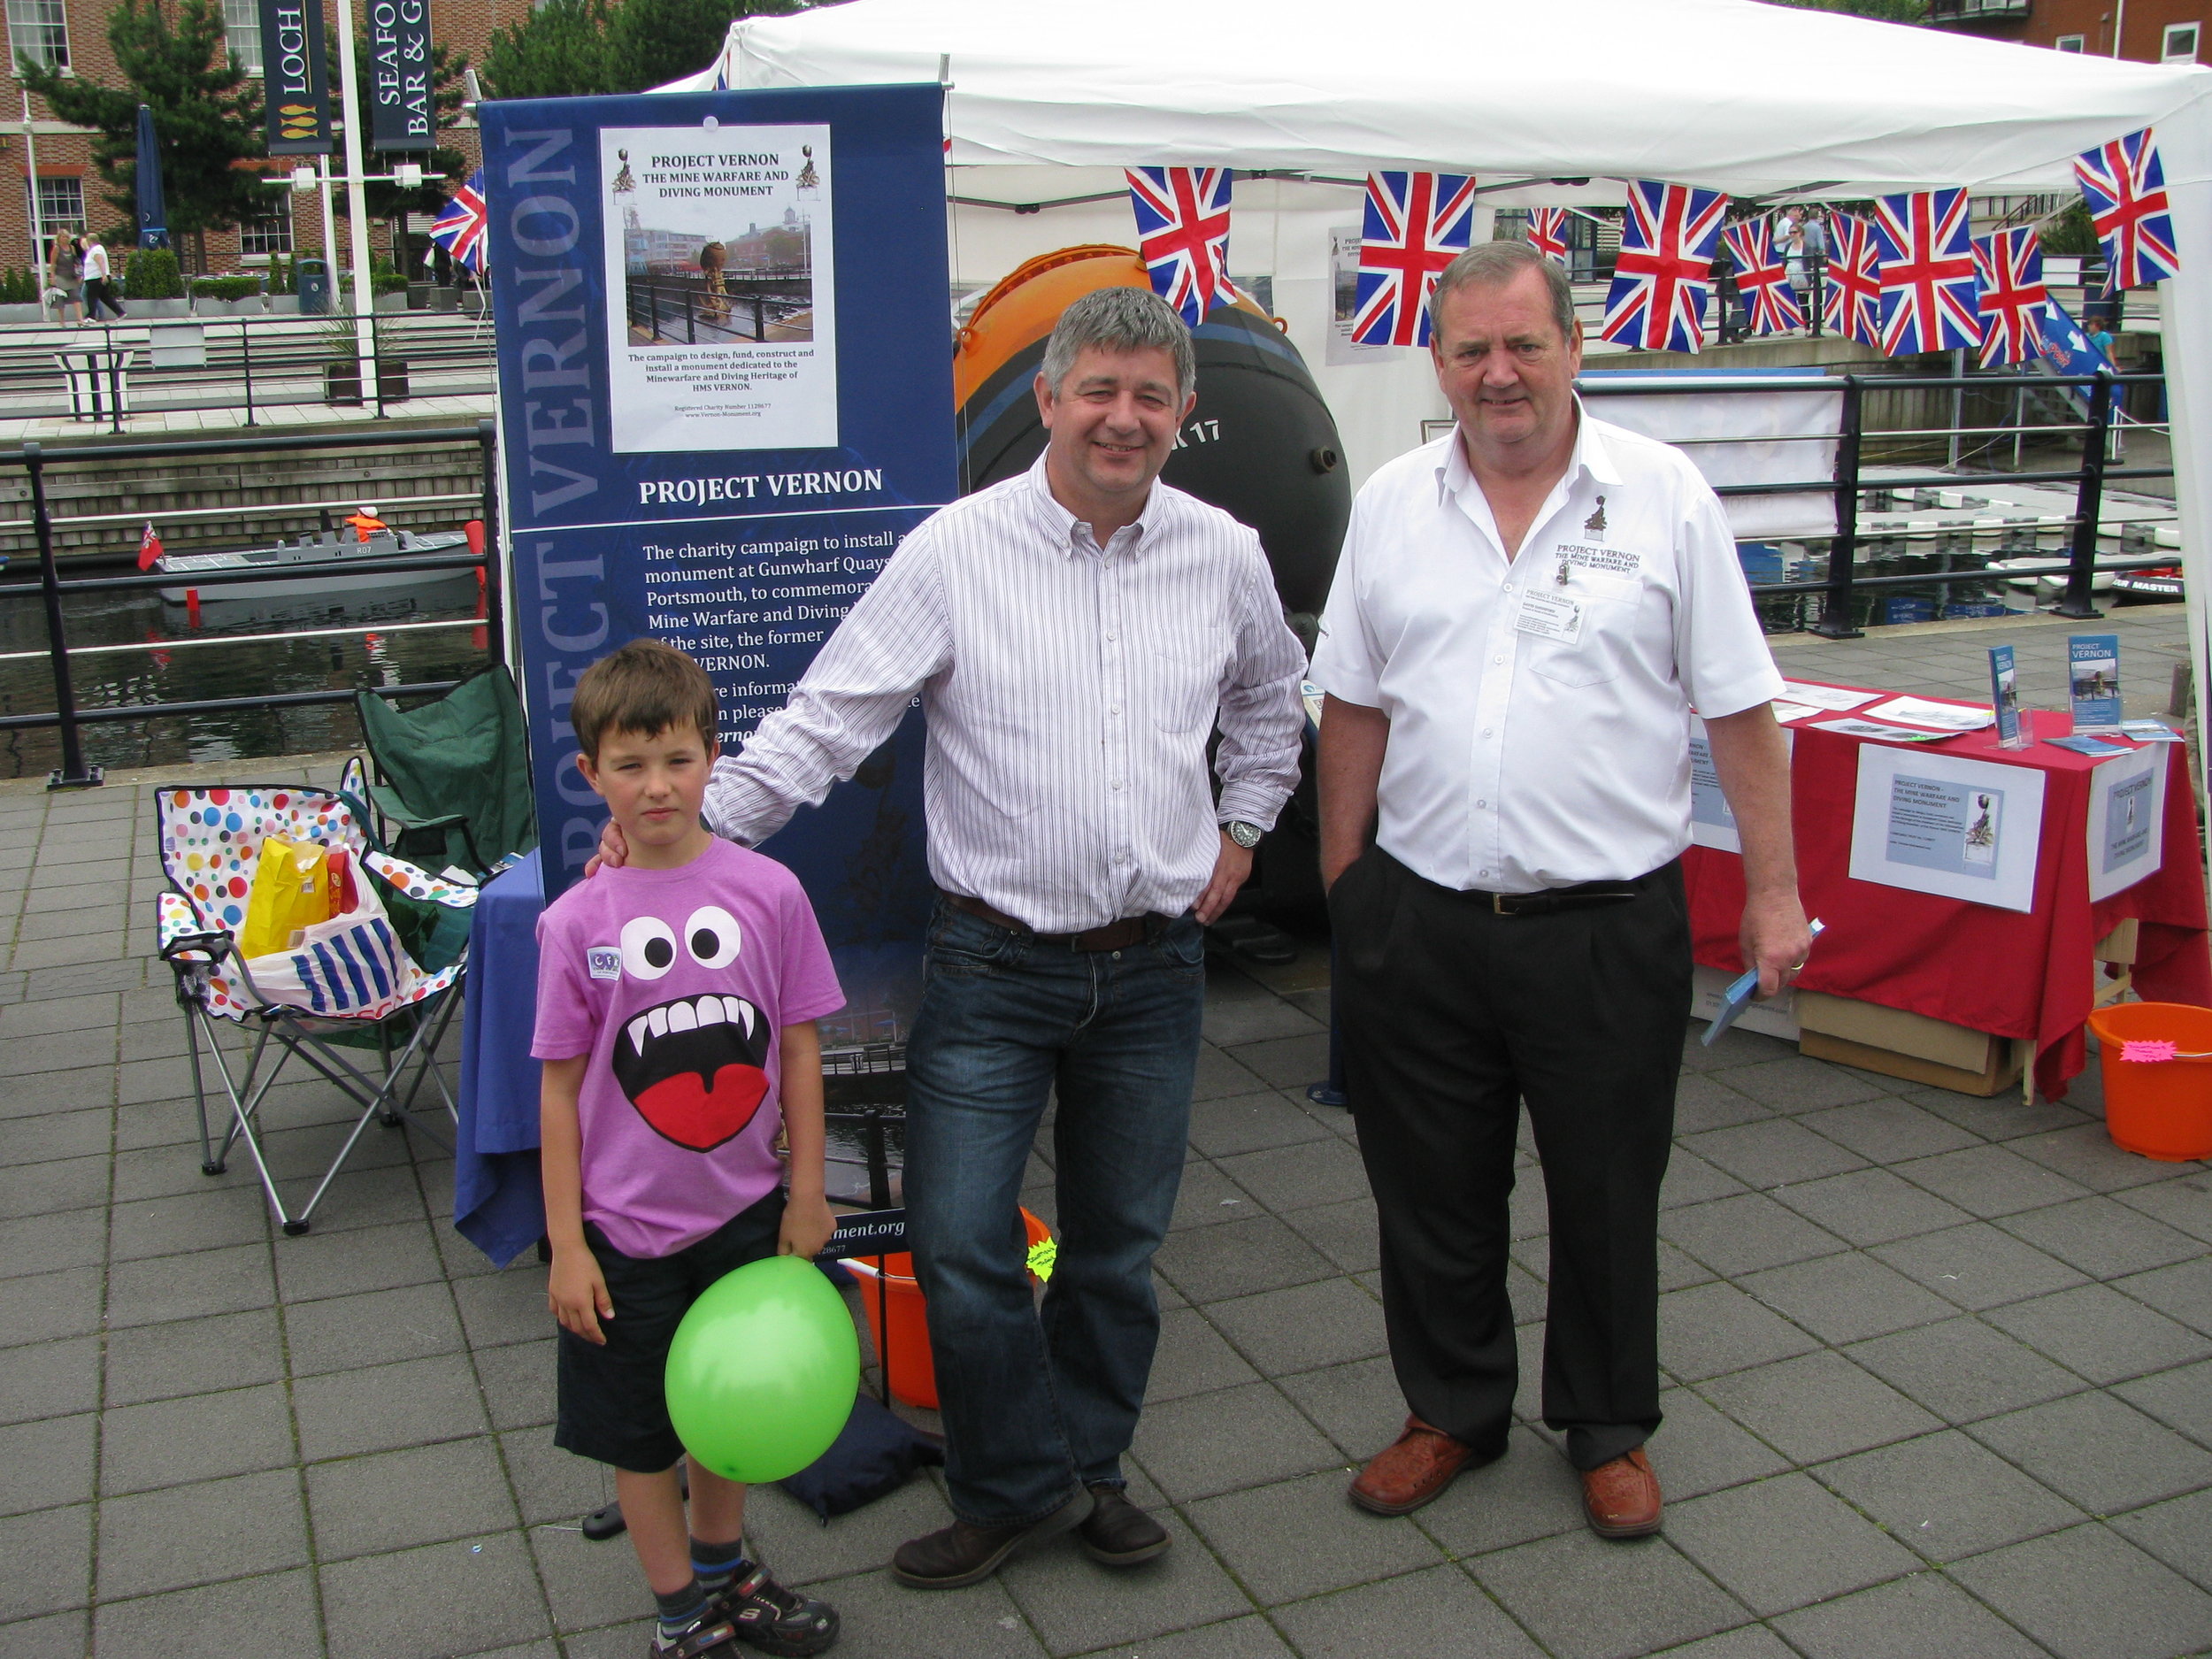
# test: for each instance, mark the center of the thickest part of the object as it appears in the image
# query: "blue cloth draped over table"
(498, 1204)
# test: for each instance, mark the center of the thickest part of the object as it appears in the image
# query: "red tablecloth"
(2002, 972)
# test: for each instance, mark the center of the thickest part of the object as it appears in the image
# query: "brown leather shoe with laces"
(1412, 1470)
(1621, 1499)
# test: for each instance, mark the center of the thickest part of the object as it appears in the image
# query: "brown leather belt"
(1121, 936)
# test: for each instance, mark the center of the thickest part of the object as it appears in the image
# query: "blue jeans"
(1034, 1402)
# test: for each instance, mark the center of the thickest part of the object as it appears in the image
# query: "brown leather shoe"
(1621, 1499)
(1411, 1471)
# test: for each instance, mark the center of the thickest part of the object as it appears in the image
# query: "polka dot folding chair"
(359, 987)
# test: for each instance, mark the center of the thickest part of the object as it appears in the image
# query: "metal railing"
(50, 587)
(1841, 582)
(100, 373)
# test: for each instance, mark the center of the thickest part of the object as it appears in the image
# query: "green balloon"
(763, 1370)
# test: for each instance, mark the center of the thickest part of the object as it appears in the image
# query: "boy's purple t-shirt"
(677, 984)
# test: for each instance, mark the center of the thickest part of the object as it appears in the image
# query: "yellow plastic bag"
(291, 890)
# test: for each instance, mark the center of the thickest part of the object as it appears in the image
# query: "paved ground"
(1940, 1368)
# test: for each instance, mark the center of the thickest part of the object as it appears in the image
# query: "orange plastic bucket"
(2161, 1109)
(898, 1301)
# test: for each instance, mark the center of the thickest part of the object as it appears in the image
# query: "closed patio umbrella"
(153, 213)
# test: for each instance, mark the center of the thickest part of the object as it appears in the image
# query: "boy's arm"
(576, 1291)
(807, 1221)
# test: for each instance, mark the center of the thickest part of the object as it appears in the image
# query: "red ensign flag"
(149, 547)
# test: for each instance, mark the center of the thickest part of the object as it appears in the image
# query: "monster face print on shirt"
(696, 1066)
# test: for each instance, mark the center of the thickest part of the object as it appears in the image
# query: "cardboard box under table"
(1981, 981)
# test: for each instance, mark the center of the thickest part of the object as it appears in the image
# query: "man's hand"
(577, 1293)
(1774, 939)
(807, 1225)
(1232, 869)
(614, 852)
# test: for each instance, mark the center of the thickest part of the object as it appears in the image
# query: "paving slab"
(2088, 1593)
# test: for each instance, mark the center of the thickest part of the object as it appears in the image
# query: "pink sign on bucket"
(2147, 1049)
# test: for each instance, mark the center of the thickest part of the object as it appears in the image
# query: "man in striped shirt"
(1075, 635)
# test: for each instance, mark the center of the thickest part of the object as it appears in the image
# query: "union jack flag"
(1763, 279)
(1663, 277)
(2124, 184)
(1929, 293)
(1854, 304)
(459, 227)
(1547, 232)
(2010, 263)
(1417, 223)
(1183, 234)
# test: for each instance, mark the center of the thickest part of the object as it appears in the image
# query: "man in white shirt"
(1524, 617)
(1074, 635)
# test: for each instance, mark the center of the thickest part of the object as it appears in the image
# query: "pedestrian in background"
(99, 289)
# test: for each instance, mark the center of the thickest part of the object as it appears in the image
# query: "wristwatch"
(1246, 835)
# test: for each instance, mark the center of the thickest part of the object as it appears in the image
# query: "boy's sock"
(718, 1565)
(679, 1609)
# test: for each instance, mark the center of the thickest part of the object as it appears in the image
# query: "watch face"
(1245, 836)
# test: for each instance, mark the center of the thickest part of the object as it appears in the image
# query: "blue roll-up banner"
(725, 397)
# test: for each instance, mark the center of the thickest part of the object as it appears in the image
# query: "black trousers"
(1451, 1016)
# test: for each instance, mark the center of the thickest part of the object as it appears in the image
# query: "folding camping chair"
(452, 775)
(368, 987)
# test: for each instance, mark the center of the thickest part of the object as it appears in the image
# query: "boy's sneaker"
(764, 1615)
(707, 1634)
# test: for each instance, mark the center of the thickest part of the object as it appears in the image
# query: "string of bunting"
(1910, 280)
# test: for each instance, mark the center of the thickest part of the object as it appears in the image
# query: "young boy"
(674, 995)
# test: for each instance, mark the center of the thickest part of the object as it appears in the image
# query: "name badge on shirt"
(1550, 616)
(605, 961)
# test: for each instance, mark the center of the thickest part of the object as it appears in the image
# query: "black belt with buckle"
(1125, 935)
(1551, 899)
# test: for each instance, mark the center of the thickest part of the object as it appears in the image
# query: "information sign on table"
(2127, 805)
(1960, 829)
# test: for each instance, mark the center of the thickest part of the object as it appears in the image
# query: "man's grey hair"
(1492, 265)
(1120, 320)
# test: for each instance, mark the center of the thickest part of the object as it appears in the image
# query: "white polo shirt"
(1539, 706)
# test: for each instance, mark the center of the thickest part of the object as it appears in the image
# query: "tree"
(207, 117)
(571, 48)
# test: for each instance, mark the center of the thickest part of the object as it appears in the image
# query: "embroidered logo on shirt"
(605, 961)
(1594, 524)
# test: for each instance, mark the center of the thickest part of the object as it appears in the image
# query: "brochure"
(1950, 716)
(1880, 733)
(2004, 687)
(2095, 747)
(2093, 664)
(1837, 697)
(1740, 992)
(2150, 732)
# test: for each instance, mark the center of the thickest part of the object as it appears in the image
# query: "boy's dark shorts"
(614, 1399)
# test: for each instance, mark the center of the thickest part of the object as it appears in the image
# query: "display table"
(498, 1205)
(2010, 973)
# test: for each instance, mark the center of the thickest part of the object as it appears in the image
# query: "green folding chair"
(452, 782)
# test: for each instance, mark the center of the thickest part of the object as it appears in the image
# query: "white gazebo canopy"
(1731, 95)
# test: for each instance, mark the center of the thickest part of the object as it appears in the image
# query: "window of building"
(268, 232)
(2181, 43)
(60, 205)
(2070, 43)
(242, 31)
(38, 33)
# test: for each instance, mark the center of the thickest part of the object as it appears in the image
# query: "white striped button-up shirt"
(1069, 691)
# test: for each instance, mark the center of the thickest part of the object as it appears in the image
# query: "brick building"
(74, 33)
(2148, 31)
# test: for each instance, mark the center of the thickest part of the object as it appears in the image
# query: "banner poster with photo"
(725, 398)
(1957, 828)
